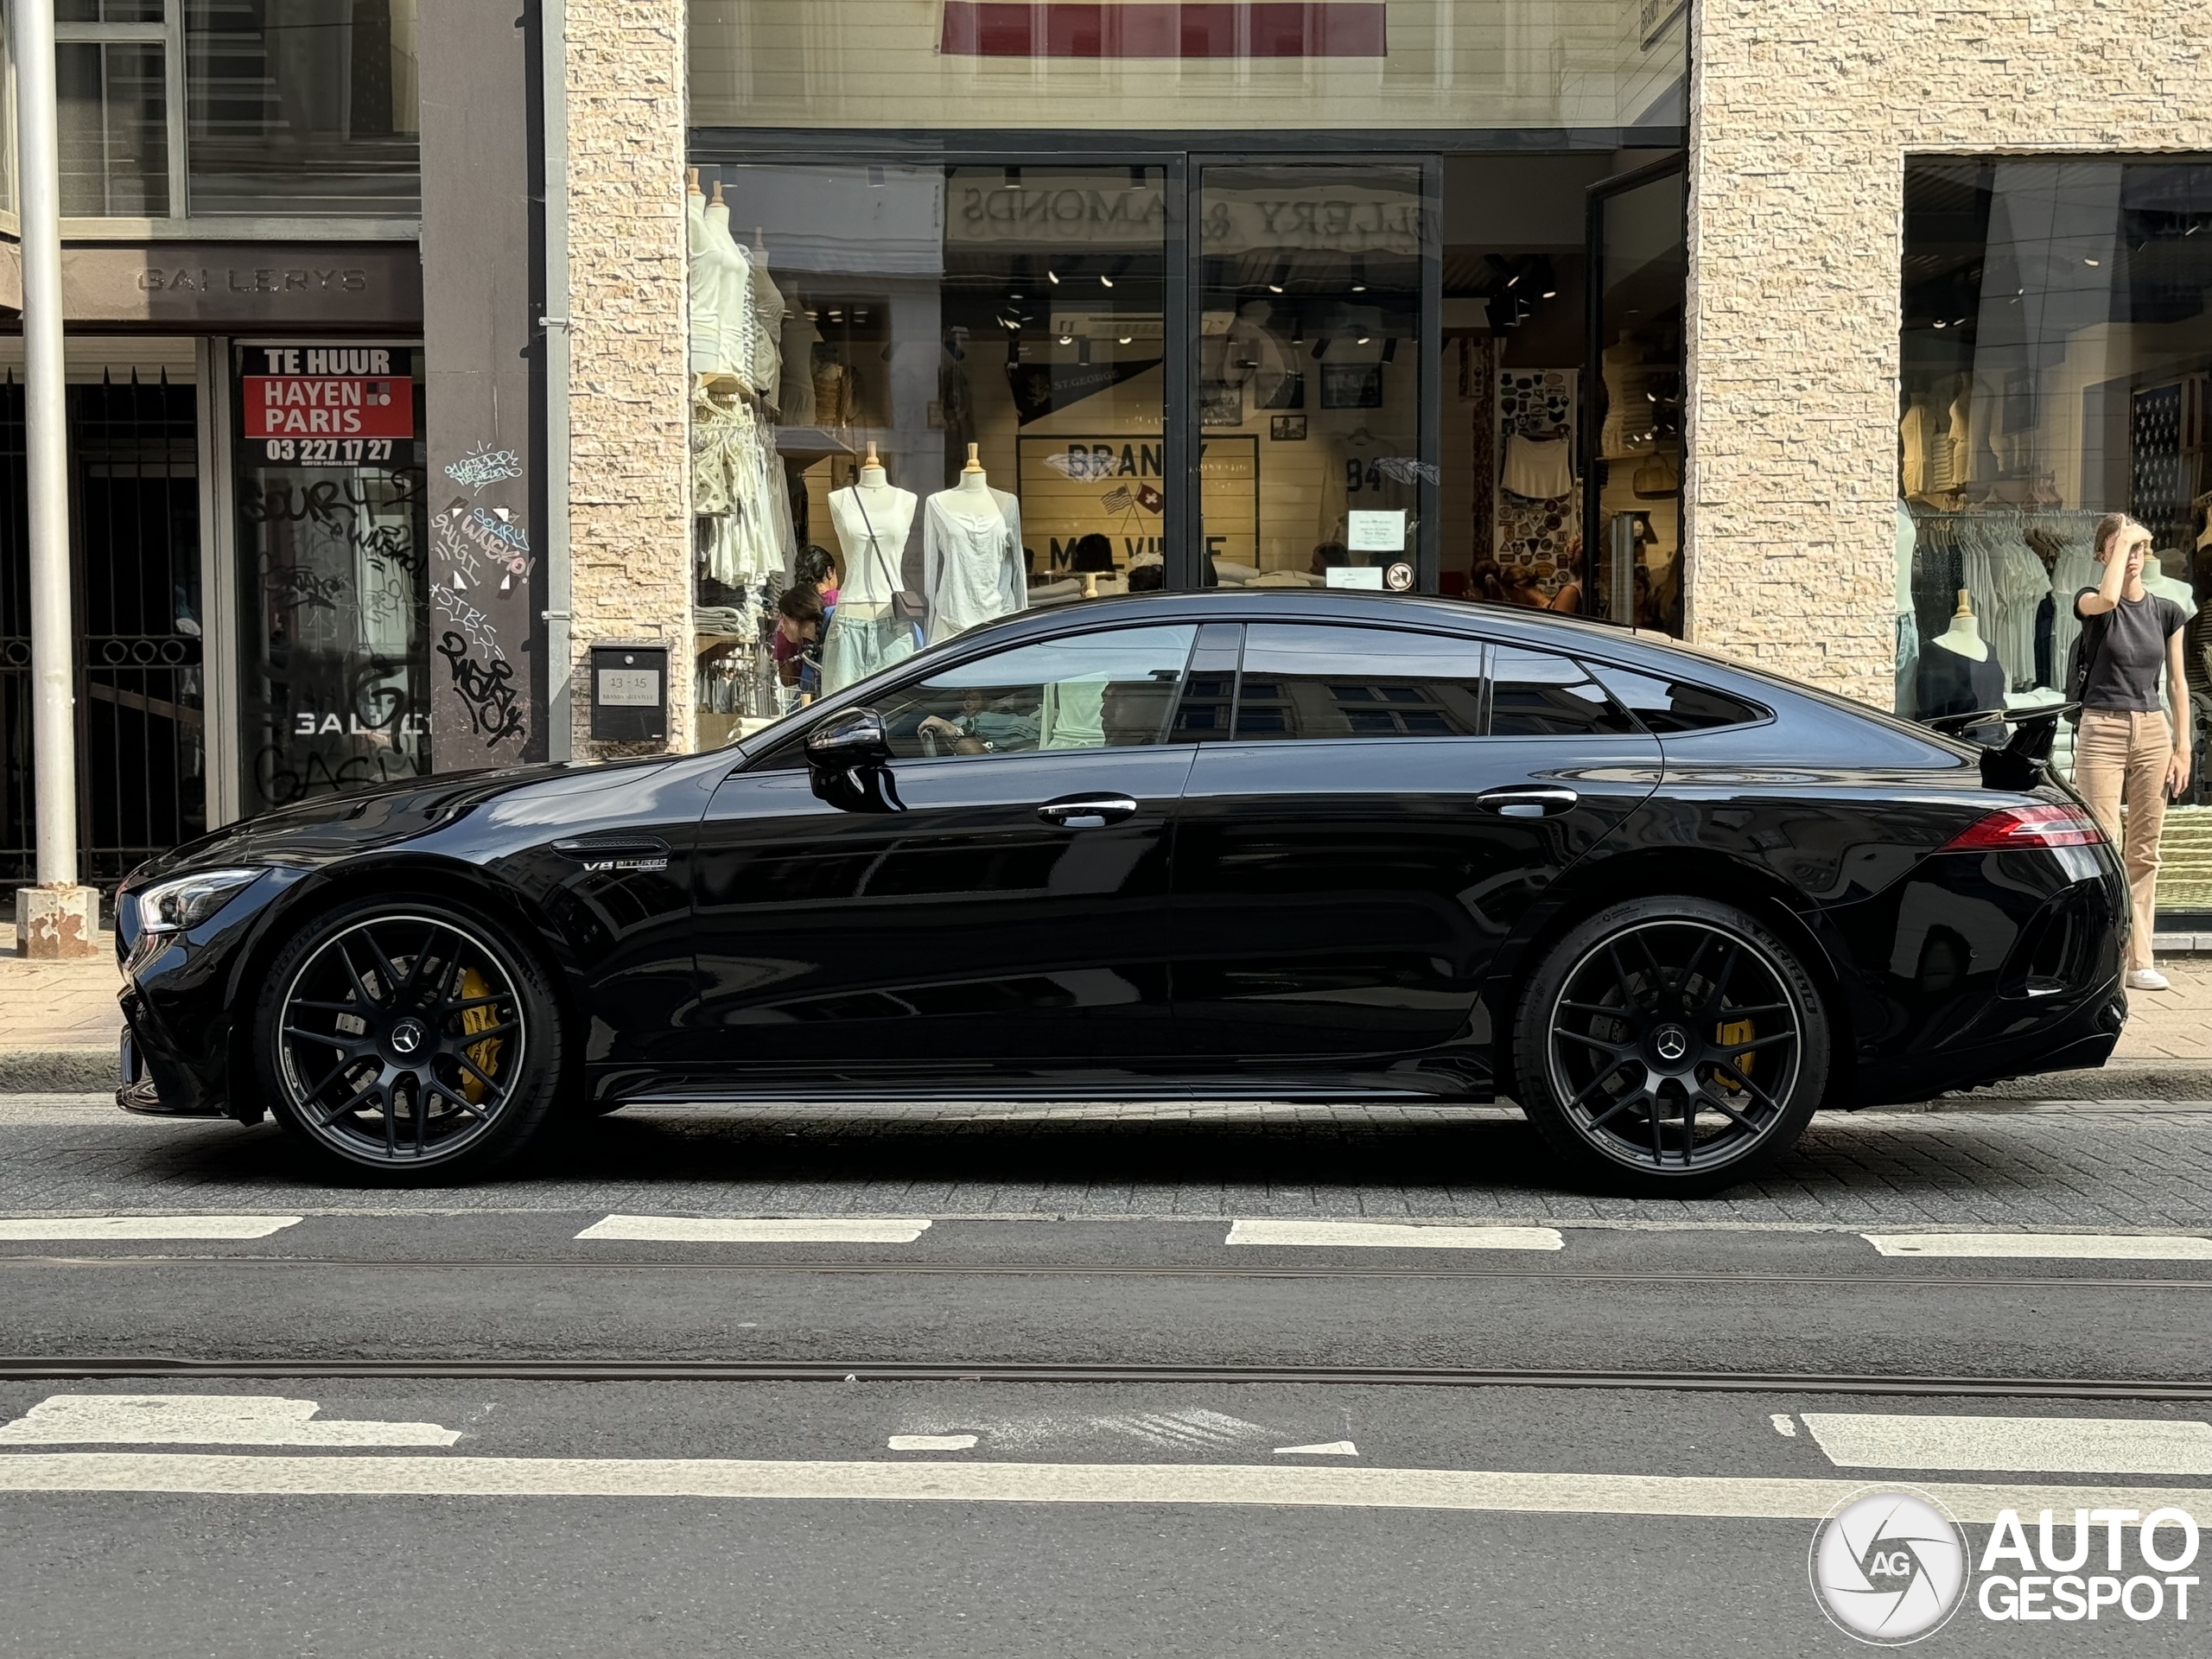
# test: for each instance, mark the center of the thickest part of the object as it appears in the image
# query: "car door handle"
(1527, 800)
(1087, 811)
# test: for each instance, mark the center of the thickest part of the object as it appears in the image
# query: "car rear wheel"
(415, 1039)
(1671, 1047)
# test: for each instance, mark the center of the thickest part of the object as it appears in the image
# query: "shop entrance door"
(1315, 288)
(1632, 431)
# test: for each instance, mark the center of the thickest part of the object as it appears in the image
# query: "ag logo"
(1889, 1568)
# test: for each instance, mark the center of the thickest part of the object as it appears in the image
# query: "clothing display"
(739, 323)
(736, 482)
(1629, 388)
(1541, 469)
(706, 286)
(872, 526)
(971, 559)
(1914, 433)
(2008, 582)
(1949, 683)
(1908, 665)
(795, 386)
(767, 303)
(863, 636)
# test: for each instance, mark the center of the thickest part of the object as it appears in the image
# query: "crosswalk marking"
(81, 1228)
(985, 1482)
(1326, 1449)
(714, 1230)
(1390, 1235)
(932, 1442)
(2084, 1247)
(2055, 1446)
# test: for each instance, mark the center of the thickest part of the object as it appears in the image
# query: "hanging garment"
(767, 303)
(2074, 568)
(2022, 585)
(1908, 687)
(863, 639)
(1913, 434)
(1948, 683)
(732, 489)
(971, 560)
(795, 390)
(1542, 469)
(741, 324)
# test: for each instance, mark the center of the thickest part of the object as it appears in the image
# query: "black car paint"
(1827, 815)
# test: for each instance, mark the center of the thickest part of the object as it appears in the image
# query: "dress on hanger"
(971, 560)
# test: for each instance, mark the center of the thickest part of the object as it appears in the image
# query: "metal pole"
(560, 715)
(47, 923)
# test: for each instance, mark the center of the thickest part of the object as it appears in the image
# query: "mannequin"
(767, 368)
(739, 324)
(872, 520)
(1913, 434)
(1628, 405)
(1908, 624)
(1958, 671)
(971, 554)
(706, 281)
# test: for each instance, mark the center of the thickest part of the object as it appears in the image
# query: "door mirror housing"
(849, 763)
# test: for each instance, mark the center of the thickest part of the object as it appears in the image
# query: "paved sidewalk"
(58, 1025)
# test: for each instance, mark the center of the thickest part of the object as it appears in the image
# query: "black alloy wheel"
(409, 1037)
(1672, 1047)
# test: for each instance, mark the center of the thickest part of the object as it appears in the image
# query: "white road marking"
(932, 1442)
(1783, 1425)
(1329, 1449)
(81, 1228)
(202, 1420)
(720, 1229)
(2086, 1246)
(1289, 1485)
(2062, 1445)
(1390, 1235)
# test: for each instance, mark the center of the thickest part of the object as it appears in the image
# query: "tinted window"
(1666, 705)
(1322, 682)
(1087, 691)
(1535, 694)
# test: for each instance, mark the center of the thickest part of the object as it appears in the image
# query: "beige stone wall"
(628, 477)
(1804, 113)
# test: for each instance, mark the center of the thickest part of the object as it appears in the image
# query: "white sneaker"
(2147, 979)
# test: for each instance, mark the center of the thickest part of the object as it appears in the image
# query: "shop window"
(1314, 682)
(933, 394)
(1111, 690)
(2057, 367)
(296, 106)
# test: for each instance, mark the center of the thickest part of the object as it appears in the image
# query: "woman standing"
(2127, 751)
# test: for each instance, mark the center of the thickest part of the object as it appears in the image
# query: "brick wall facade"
(628, 473)
(1802, 113)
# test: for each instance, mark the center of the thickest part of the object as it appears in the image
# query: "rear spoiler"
(2023, 761)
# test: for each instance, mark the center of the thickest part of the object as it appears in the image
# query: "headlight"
(187, 901)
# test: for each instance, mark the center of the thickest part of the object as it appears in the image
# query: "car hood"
(310, 834)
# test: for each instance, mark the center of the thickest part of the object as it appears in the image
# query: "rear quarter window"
(1667, 705)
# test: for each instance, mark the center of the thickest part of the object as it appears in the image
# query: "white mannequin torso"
(1964, 636)
(863, 510)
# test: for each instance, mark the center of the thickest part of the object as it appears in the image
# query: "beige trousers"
(2121, 758)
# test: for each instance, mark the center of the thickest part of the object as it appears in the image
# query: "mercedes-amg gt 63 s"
(1231, 845)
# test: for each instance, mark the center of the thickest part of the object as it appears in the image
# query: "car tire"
(1671, 1047)
(415, 1039)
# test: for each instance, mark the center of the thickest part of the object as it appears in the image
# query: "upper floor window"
(264, 109)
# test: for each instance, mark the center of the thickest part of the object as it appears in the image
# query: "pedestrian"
(798, 627)
(2127, 753)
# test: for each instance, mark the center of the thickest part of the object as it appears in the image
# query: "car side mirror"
(849, 762)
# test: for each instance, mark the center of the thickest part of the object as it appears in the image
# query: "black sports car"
(1280, 845)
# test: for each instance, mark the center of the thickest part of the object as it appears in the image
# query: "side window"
(1111, 689)
(1535, 693)
(1320, 682)
(1667, 706)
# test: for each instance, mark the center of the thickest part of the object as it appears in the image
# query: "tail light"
(2027, 826)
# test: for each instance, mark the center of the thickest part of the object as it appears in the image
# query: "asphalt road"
(1082, 1383)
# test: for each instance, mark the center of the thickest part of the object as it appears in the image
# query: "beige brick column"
(1802, 113)
(629, 533)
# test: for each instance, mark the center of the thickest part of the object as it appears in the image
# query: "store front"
(1168, 339)
(2057, 367)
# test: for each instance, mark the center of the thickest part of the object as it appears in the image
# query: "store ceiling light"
(1067, 340)
(1124, 339)
(2089, 262)
(1105, 280)
(1941, 325)
(1362, 340)
(1053, 278)
(1013, 178)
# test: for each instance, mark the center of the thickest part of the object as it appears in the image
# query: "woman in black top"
(2127, 751)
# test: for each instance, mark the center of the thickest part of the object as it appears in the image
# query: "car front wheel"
(1671, 1047)
(416, 1040)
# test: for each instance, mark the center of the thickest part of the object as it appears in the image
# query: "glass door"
(1632, 432)
(1313, 422)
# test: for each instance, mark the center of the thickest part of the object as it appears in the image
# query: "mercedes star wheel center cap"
(407, 1036)
(1670, 1043)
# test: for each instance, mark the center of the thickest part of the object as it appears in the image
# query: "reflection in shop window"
(111, 129)
(2057, 357)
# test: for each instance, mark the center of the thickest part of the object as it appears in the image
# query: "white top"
(971, 559)
(741, 324)
(871, 572)
(768, 326)
(706, 286)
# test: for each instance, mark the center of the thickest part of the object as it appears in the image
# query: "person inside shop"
(2127, 753)
(816, 567)
(1147, 578)
(799, 629)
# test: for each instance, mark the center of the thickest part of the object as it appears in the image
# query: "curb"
(2133, 1080)
(75, 1071)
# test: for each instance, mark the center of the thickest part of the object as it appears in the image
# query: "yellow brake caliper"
(1733, 1032)
(485, 1055)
